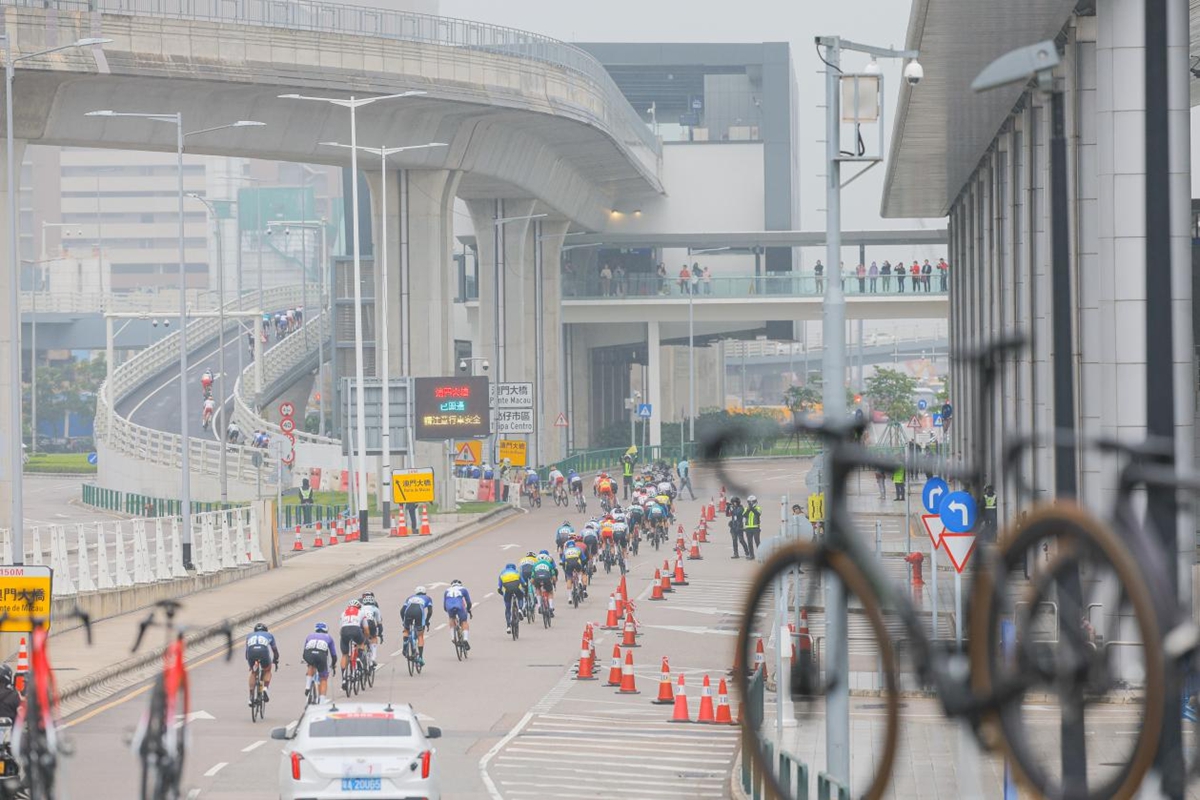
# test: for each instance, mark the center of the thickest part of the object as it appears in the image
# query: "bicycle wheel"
(256, 704)
(371, 675)
(1056, 668)
(162, 748)
(38, 759)
(457, 640)
(411, 656)
(872, 661)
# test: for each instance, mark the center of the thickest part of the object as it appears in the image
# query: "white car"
(343, 750)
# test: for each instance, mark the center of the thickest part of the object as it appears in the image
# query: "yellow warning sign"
(468, 453)
(513, 450)
(20, 586)
(412, 486)
(816, 507)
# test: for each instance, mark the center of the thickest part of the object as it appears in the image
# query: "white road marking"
(398, 652)
(440, 627)
(254, 746)
(489, 594)
(217, 768)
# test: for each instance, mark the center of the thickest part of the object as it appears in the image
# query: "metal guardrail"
(279, 362)
(161, 301)
(747, 287)
(616, 114)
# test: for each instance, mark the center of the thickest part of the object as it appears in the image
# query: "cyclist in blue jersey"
(320, 652)
(262, 650)
(574, 563)
(417, 610)
(457, 605)
(564, 532)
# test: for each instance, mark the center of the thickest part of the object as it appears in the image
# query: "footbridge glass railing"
(594, 287)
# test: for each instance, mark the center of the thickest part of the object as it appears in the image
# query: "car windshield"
(358, 726)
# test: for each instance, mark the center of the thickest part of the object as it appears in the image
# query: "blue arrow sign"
(922, 404)
(933, 494)
(958, 512)
(643, 410)
(92, 459)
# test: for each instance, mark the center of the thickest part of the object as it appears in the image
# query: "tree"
(800, 399)
(68, 388)
(891, 391)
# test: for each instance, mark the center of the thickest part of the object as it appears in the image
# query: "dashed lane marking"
(254, 746)
(220, 765)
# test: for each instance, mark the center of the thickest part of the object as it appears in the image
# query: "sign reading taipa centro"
(450, 408)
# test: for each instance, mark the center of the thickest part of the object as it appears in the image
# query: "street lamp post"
(833, 334)
(385, 506)
(17, 524)
(353, 104)
(176, 119)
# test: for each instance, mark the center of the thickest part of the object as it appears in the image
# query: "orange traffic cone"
(628, 685)
(664, 583)
(680, 712)
(679, 579)
(760, 658)
(619, 599)
(679, 544)
(334, 532)
(694, 553)
(630, 638)
(425, 521)
(710, 513)
(585, 661)
(723, 716)
(706, 703)
(721, 503)
(657, 592)
(703, 532)
(22, 666)
(612, 621)
(614, 668)
(623, 593)
(665, 695)
(299, 545)
(318, 542)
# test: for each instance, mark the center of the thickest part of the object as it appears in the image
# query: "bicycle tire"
(457, 640)
(856, 586)
(161, 769)
(412, 664)
(1052, 522)
(37, 760)
(370, 673)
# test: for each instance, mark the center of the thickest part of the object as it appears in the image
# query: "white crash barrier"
(60, 566)
(162, 571)
(254, 547)
(177, 568)
(227, 559)
(85, 582)
(6, 551)
(104, 579)
(36, 537)
(141, 554)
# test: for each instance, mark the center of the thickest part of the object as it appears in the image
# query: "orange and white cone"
(680, 579)
(591, 642)
(664, 581)
(706, 713)
(724, 716)
(585, 661)
(611, 621)
(630, 633)
(665, 696)
(425, 521)
(679, 543)
(628, 683)
(760, 657)
(721, 503)
(318, 541)
(680, 712)
(298, 546)
(623, 601)
(710, 513)
(22, 666)
(703, 532)
(334, 532)
(694, 553)
(614, 668)
(656, 593)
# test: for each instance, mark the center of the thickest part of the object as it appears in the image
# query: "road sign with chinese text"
(513, 450)
(412, 486)
(511, 395)
(513, 420)
(18, 587)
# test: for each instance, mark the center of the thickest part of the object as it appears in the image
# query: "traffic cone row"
(425, 521)
(318, 541)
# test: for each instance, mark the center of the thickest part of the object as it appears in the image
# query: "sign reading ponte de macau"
(451, 408)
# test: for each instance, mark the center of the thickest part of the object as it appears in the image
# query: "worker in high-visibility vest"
(626, 476)
(989, 513)
(752, 525)
(306, 501)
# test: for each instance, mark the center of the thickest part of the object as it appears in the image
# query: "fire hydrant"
(915, 560)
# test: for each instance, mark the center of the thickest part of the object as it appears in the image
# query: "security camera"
(462, 366)
(913, 73)
(485, 366)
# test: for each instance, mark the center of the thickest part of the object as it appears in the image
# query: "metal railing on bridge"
(616, 113)
(159, 301)
(746, 287)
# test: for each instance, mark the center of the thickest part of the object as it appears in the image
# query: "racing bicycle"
(530, 608)
(457, 638)
(37, 742)
(514, 615)
(161, 737)
(580, 500)
(412, 651)
(544, 607)
(560, 495)
(258, 695)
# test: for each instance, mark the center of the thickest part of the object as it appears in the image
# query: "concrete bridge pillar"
(522, 290)
(10, 440)
(422, 284)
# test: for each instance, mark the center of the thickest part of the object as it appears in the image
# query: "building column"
(654, 382)
(421, 278)
(10, 440)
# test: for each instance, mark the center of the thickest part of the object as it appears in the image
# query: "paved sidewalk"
(86, 673)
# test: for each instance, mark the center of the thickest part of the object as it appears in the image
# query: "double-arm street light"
(17, 523)
(382, 364)
(176, 119)
(355, 103)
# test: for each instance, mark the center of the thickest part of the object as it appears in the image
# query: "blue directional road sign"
(933, 494)
(937, 420)
(958, 512)
(922, 404)
(92, 459)
(643, 410)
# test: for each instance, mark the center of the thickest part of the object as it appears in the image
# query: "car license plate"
(362, 784)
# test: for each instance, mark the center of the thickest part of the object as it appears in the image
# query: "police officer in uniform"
(752, 525)
(989, 513)
(306, 501)
(626, 476)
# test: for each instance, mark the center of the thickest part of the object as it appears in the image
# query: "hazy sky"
(876, 22)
